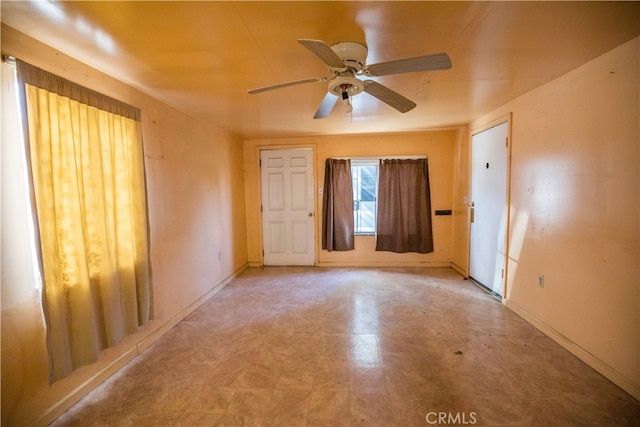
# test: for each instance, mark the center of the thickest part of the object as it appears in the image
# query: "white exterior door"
(488, 207)
(288, 217)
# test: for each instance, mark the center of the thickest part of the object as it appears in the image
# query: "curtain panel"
(404, 206)
(337, 206)
(88, 185)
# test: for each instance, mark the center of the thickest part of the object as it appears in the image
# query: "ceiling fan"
(346, 60)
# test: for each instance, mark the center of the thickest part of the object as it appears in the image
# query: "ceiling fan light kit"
(348, 108)
(345, 83)
(346, 60)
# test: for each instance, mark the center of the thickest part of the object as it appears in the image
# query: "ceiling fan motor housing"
(354, 56)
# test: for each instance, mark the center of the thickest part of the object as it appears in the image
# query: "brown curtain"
(337, 206)
(404, 207)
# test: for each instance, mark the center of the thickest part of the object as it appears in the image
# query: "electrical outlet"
(541, 280)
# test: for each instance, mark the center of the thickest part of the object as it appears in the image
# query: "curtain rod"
(9, 60)
(417, 156)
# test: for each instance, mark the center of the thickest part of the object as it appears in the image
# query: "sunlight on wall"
(518, 231)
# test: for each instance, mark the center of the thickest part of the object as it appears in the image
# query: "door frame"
(507, 118)
(259, 149)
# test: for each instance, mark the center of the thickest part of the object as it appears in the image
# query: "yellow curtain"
(89, 187)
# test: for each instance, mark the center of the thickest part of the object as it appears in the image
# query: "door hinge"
(506, 141)
(261, 208)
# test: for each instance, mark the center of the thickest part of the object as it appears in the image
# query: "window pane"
(365, 178)
(20, 269)
(368, 180)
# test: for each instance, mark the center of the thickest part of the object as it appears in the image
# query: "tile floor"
(354, 347)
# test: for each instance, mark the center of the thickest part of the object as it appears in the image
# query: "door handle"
(310, 214)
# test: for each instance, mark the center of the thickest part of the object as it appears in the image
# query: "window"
(391, 201)
(364, 175)
(21, 279)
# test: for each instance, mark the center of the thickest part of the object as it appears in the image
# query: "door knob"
(310, 214)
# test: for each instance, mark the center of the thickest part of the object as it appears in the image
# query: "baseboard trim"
(383, 264)
(129, 354)
(461, 271)
(147, 341)
(73, 397)
(607, 371)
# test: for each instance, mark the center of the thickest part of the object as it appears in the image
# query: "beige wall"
(574, 206)
(438, 146)
(460, 250)
(198, 239)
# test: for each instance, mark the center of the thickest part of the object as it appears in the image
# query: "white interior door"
(288, 218)
(488, 207)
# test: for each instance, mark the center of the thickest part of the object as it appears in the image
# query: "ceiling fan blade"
(287, 84)
(438, 61)
(323, 51)
(326, 106)
(388, 96)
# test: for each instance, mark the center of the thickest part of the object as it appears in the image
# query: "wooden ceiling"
(201, 57)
